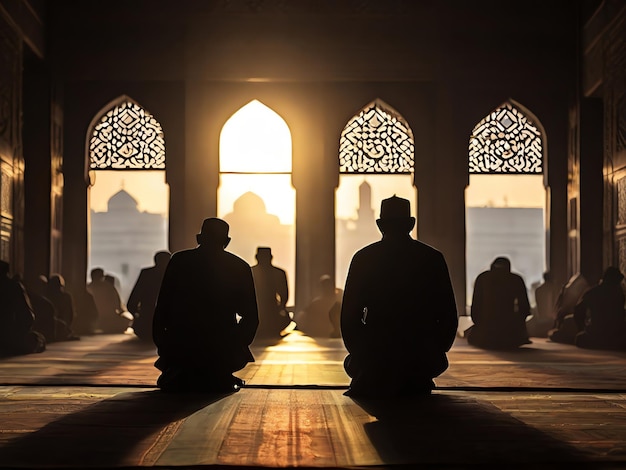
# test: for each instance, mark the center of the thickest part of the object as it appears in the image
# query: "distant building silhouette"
(252, 226)
(354, 234)
(124, 240)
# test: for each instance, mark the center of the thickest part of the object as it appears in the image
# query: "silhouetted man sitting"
(272, 293)
(64, 306)
(599, 315)
(320, 319)
(499, 308)
(143, 297)
(398, 317)
(206, 316)
(565, 329)
(16, 318)
(108, 303)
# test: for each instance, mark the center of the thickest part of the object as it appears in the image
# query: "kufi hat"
(395, 208)
(264, 250)
(214, 228)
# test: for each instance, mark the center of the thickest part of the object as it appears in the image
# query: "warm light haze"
(505, 191)
(147, 187)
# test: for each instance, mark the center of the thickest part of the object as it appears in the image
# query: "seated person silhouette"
(320, 319)
(143, 297)
(206, 316)
(16, 318)
(499, 308)
(46, 320)
(108, 303)
(398, 317)
(600, 314)
(272, 293)
(64, 306)
(565, 328)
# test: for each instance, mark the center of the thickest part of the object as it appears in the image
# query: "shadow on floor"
(104, 434)
(459, 430)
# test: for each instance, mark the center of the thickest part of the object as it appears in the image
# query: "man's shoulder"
(184, 253)
(235, 260)
(411, 246)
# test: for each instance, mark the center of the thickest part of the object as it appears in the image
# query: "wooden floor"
(92, 404)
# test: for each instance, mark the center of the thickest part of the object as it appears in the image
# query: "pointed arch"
(125, 144)
(507, 199)
(125, 136)
(376, 160)
(255, 139)
(376, 140)
(255, 189)
(509, 140)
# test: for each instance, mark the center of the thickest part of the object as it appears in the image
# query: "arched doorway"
(506, 199)
(255, 194)
(376, 161)
(128, 195)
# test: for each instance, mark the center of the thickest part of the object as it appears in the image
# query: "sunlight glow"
(255, 194)
(255, 140)
(275, 190)
(505, 191)
(148, 187)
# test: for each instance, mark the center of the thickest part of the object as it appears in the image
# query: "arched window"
(376, 161)
(376, 140)
(127, 137)
(128, 196)
(506, 142)
(506, 197)
(255, 194)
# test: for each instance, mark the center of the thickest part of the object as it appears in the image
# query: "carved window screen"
(127, 137)
(377, 140)
(506, 142)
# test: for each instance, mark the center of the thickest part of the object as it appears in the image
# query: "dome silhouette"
(122, 201)
(249, 203)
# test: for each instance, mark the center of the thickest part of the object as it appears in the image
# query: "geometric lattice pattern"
(506, 142)
(377, 140)
(127, 138)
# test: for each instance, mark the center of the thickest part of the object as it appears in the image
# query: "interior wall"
(437, 63)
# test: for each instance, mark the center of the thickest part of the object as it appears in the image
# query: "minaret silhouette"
(365, 213)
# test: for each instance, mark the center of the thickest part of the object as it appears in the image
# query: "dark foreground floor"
(92, 404)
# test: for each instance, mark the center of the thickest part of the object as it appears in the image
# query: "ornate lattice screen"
(377, 140)
(127, 138)
(506, 142)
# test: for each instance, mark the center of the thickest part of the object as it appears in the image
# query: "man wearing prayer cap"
(206, 315)
(398, 317)
(272, 293)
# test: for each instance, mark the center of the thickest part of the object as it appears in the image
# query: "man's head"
(395, 215)
(264, 255)
(56, 282)
(214, 232)
(97, 274)
(501, 263)
(612, 275)
(162, 258)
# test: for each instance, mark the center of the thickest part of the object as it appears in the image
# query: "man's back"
(497, 295)
(406, 290)
(200, 295)
(206, 315)
(398, 317)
